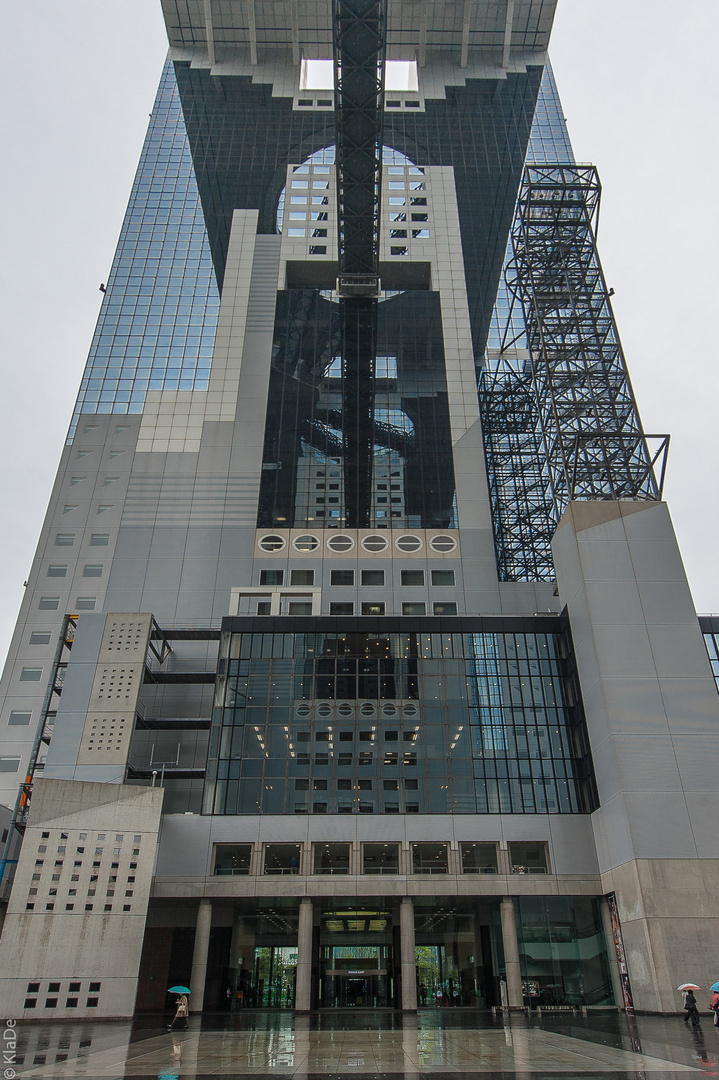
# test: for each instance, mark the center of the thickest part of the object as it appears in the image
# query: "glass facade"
(563, 951)
(360, 721)
(157, 323)
(303, 482)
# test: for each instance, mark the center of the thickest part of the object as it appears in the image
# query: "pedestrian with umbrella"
(714, 1003)
(690, 1003)
(183, 1008)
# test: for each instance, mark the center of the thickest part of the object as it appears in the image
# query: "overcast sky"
(639, 83)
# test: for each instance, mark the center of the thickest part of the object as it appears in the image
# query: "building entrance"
(356, 968)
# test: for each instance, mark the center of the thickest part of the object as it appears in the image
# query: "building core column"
(511, 953)
(408, 968)
(199, 956)
(303, 987)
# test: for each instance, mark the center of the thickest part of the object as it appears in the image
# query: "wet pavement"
(370, 1046)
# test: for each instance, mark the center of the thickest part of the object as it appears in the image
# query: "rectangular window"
(430, 859)
(302, 577)
(64, 539)
(87, 603)
(19, 718)
(9, 764)
(99, 539)
(92, 570)
(55, 570)
(414, 608)
(412, 577)
(332, 859)
(528, 858)
(299, 607)
(448, 607)
(31, 674)
(49, 603)
(40, 637)
(373, 609)
(373, 577)
(479, 858)
(264, 607)
(342, 577)
(443, 577)
(380, 859)
(272, 577)
(342, 608)
(232, 859)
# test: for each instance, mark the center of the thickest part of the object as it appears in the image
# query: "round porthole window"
(345, 709)
(324, 709)
(410, 710)
(375, 543)
(303, 710)
(367, 709)
(340, 543)
(389, 710)
(408, 543)
(306, 542)
(272, 543)
(443, 544)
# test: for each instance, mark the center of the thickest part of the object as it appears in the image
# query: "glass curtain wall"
(563, 951)
(357, 722)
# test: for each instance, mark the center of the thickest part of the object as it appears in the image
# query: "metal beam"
(210, 32)
(252, 31)
(507, 45)
(295, 26)
(464, 54)
(359, 37)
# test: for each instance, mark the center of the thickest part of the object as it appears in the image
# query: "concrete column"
(303, 988)
(511, 953)
(408, 969)
(612, 954)
(199, 956)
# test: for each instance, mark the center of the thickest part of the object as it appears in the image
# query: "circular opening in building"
(389, 710)
(443, 544)
(410, 710)
(408, 543)
(367, 709)
(340, 543)
(345, 709)
(272, 543)
(305, 543)
(324, 709)
(303, 710)
(375, 543)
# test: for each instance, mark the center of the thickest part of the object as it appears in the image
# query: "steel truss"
(562, 424)
(359, 37)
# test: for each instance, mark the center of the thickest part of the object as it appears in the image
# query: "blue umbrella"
(715, 988)
(178, 990)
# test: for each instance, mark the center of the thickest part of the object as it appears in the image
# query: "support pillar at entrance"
(303, 986)
(199, 956)
(408, 968)
(511, 953)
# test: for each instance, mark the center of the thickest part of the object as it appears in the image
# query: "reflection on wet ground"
(372, 1046)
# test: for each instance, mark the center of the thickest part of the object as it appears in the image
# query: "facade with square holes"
(316, 755)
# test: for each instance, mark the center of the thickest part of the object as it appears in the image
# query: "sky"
(639, 84)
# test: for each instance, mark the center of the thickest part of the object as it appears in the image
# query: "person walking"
(714, 1006)
(180, 1012)
(690, 1004)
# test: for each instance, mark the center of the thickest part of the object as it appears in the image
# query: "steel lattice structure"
(563, 423)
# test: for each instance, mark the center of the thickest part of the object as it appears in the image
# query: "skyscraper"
(357, 664)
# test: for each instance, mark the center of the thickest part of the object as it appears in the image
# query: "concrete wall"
(653, 720)
(86, 845)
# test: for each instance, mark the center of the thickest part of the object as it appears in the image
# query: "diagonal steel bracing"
(563, 424)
